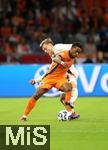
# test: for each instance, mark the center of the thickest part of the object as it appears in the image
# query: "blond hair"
(46, 41)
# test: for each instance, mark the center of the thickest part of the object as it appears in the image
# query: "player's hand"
(65, 64)
(32, 81)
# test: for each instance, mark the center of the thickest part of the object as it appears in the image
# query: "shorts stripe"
(53, 69)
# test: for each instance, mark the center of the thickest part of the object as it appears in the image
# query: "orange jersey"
(57, 70)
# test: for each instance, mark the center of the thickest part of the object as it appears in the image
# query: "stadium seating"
(2, 58)
(29, 59)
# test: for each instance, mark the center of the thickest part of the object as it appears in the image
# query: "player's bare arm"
(34, 81)
(57, 59)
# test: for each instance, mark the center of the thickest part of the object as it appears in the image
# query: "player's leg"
(72, 77)
(65, 98)
(62, 97)
(74, 95)
(73, 81)
(32, 102)
(65, 86)
(69, 108)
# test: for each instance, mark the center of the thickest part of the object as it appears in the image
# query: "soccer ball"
(63, 115)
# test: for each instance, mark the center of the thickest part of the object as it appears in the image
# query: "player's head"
(76, 49)
(47, 45)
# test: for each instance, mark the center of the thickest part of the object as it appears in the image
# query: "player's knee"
(66, 87)
(39, 93)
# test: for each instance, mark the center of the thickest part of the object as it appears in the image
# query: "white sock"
(69, 113)
(24, 116)
(74, 96)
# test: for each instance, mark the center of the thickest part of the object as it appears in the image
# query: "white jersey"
(58, 48)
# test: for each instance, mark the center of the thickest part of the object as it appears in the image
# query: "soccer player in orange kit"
(55, 77)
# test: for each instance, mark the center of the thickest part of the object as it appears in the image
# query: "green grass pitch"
(90, 132)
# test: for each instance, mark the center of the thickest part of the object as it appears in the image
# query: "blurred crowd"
(24, 23)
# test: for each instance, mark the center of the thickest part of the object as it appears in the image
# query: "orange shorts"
(48, 83)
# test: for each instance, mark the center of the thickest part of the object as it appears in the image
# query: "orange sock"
(30, 106)
(68, 108)
(68, 96)
(67, 99)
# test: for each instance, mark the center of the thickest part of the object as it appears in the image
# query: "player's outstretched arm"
(34, 81)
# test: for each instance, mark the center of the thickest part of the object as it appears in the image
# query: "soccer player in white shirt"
(72, 74)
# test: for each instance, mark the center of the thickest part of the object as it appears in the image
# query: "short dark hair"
(77, 44)
(46, 41)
